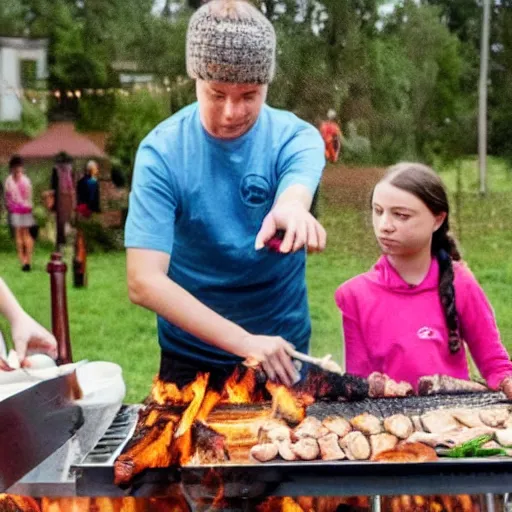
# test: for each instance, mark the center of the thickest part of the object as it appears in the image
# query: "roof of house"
(61, 136)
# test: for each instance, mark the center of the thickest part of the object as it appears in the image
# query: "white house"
(23, 62)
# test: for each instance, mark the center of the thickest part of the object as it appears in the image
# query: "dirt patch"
(350, 186)
(10, 142)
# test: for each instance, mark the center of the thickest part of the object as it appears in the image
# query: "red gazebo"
(61, 136)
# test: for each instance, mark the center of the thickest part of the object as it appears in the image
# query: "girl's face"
(402, 223)
(17, 171)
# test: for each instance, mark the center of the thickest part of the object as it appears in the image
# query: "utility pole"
(482, 98)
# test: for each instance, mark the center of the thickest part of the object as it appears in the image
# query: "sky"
(384, 9)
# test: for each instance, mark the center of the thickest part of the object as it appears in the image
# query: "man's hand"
(30, 337)
(301, 228)
(271, 352)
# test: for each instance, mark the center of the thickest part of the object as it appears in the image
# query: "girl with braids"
(416, 310)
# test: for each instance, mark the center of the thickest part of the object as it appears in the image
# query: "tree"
(12, 18)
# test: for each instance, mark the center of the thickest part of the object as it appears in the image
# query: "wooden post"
(80, 259)
(60, 323)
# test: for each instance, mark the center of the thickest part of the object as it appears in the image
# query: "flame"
(210, 401)
(240, 387)
(275, 504)
(194, 394)
(286, 404)
(151, 450)
(404, 503)
(104, 504)
(168, 393)
(18, 503)
(174, 504)
(182, 448)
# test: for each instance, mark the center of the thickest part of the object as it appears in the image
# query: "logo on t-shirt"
(254, 190)
(428, 333)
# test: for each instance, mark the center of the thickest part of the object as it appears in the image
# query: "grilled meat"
(306, 448)
(439, 384)
(282, 433)
(382, 442)
(285, 450)
(264, 452)
(461, 436)
(504, 437)
(416, 422)
(330, 448)
(494, 417)
(310, 427)
(399, 425)
(467, 417)
(367, 423)
(381, 386)
(338, 425)
(426, 438)
(449, 439)
(439, 421)
(407, 452)
(322, 384)
(356, 446)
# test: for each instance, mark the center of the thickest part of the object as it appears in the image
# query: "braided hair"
(423, 182)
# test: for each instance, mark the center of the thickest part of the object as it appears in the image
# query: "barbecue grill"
(247, 484)
(94, 475)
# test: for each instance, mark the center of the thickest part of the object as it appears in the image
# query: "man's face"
(229, 110)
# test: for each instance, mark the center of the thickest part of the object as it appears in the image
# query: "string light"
(37, 96)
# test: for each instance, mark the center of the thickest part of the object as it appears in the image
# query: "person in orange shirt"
(331, 133)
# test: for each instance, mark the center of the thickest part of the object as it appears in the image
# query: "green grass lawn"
(105, 326)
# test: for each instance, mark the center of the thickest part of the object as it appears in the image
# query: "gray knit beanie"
(231, 41)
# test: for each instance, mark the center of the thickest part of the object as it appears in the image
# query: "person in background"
(62, 184)
(18, 200)
(331, 133)
(87, 191)
(212, 185)
(88, 202)
(27, 335)
(418, 309)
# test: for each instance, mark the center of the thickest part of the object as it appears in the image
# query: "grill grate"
(112, 442)
(410, 406)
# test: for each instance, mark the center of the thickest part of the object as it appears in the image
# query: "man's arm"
(300, 166)
(150, 287)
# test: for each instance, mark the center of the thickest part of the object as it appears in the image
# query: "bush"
(135, 116)
(100, 239)
(95, 113)
(33, 119)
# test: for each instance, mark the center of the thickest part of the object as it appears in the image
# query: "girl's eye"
(377, 211)
(402, 216)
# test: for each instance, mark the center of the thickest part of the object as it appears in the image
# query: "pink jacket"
(18, 195)
(400, 329)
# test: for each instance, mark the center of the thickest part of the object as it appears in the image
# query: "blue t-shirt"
(203, 200)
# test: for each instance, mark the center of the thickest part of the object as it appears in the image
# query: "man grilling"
(213, 184)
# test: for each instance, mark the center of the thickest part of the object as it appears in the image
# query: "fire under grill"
(249, 481)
